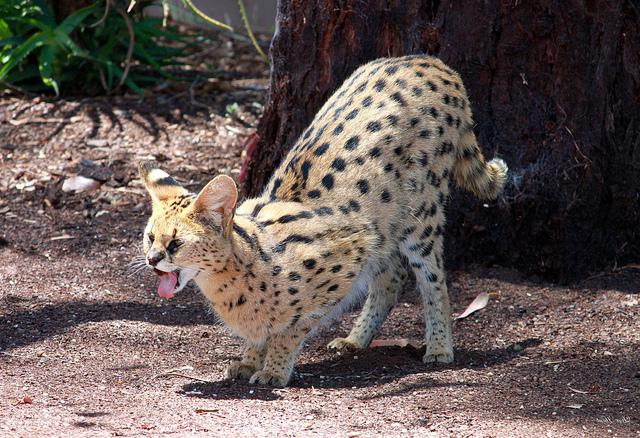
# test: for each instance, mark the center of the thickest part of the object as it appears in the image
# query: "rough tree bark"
(64, 8)
(555, 87)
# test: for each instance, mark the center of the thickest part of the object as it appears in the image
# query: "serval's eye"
(174, 245)
(151, 237)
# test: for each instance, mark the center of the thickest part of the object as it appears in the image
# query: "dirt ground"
(88, 349)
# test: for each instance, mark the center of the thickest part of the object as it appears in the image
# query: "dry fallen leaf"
(204, 410)
(26, 400)
(62, 237)
(80, 184)
(578, 391)
(399, 342)
(480, 302)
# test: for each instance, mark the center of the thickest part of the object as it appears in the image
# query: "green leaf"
(63, 39)
(72, 21)
(5, 43)
(5, 31)
(45, 65)
(20, 52)
(24, 72)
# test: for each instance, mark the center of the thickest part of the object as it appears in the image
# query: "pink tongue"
(167, 284)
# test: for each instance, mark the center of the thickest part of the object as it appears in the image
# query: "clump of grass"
(96, 49)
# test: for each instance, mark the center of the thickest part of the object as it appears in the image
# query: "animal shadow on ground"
(366, 368)
(51, 320)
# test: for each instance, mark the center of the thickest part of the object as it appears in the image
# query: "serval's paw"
(438, 353)
(239, 370)
(343, 344)
(269, 378)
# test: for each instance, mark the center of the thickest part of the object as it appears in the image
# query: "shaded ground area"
(89, 343)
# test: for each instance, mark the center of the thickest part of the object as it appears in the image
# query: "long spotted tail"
(473, 173)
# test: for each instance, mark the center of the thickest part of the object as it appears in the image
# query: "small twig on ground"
(247, 26)
(209, 411)
(579, 391)
(614, 270)
(192, 98)
(205, 17)
(104, 16)
(26, 120)
(186, 376)
(132, 42)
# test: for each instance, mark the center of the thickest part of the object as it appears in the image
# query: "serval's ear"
(159, 184)
(219, 197)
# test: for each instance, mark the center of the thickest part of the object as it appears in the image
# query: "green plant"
(97, 48)
(243, 14)
(231, 109)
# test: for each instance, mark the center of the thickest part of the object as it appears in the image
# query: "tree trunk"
(64, 8)
(555, 88)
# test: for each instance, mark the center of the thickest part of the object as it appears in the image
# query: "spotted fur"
(359, 200)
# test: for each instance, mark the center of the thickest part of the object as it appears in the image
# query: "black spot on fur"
(352, 143)
(327, 181)
(385, 197)
(324, 211)
(339, 164)
(449, 119)
(321, 149)
(352, 114)
(309, 263)
(276, 185)
(304, 168)
(363, 186)
(294, 238)
(398, 98)
(314, 194)
(392, 69)
(374, 152)
(373, 126)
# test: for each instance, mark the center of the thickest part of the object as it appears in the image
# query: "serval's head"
(187, 234)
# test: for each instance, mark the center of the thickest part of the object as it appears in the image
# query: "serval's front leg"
(282, 350)
(252, 361)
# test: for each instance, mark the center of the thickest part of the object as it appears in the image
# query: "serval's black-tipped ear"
(160, 185)
(219, 197)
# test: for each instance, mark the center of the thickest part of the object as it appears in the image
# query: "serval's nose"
(154, 257)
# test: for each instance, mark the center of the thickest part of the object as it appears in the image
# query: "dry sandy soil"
(88, 349)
